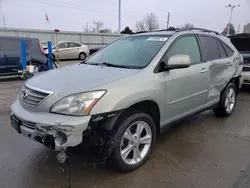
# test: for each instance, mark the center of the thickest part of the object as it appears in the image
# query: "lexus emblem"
(24, 94)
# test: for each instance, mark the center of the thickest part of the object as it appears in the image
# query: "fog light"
(60, 139)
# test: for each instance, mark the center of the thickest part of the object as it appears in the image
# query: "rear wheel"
(82, 56)
(227, 101)
(135, 138)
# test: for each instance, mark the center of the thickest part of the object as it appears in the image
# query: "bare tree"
(86, 28)
(141, 26)
(149, 23)
(187, 26)
(106, 30)
(98, 25)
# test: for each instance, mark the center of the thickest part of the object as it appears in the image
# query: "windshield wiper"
(112, 65)
(119, 66)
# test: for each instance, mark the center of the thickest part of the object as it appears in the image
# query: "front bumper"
(63, 131)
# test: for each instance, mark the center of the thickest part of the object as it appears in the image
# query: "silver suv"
(129, 91)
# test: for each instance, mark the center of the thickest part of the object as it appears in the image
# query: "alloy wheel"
(230, 100)
(136, 143)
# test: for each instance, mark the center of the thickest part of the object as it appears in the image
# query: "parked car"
(242, 43)
(95, 49)
(128, 92)
(10, 54)
(69, 50)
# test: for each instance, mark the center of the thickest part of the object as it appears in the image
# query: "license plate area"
(15, 123)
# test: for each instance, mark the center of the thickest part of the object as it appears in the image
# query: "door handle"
(203, 71)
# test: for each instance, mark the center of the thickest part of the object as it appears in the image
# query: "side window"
(185, 46)
(10, 44)
(78, 45)
(63, 45)
(223, 53)
(228, 50)
(73, 45)
(210, 50)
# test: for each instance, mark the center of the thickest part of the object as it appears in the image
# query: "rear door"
(186, 89)
(10, 55)
(220, 62)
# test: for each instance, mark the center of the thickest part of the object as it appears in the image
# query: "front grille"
(32, 97)
(246, 68)
(24, 123)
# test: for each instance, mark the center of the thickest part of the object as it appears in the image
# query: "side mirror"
(178, 62)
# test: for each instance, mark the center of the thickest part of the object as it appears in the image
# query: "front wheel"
(227, 101)
(135, 138)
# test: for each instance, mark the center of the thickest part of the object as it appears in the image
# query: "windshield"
(130, 52)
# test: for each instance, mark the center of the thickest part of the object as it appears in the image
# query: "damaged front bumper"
(53, 130)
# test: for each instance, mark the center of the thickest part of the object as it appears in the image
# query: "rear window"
(210, 49)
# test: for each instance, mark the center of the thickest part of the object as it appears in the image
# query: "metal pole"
(230, 20)
(23, 54)
(231, 16)
(168, 20)
(119, 21)
(5, 25)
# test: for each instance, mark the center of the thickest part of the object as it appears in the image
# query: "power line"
(74, 6)
(65, 6)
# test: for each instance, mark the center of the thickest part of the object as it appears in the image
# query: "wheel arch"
(236, 81)
(149, 107)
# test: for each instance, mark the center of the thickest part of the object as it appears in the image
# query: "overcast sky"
(73, 15)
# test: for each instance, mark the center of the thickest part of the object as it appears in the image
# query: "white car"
(69, 50)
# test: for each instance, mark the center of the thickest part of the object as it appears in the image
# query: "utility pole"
(168, 20)
(232, 7)
(5, 25)
(119, 19)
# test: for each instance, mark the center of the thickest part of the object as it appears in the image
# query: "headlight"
(77, 104)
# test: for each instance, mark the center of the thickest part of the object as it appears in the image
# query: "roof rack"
(178, 30)
(170, 29)
(200, 29)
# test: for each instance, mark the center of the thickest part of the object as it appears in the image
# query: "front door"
(186, 89)
(63, 49)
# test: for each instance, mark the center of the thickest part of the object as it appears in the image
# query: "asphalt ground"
(202, 151)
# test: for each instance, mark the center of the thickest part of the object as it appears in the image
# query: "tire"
(132, 121)
(82, 56)
(227, 101)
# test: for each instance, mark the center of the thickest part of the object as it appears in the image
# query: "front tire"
(135, 138)
(227, 101)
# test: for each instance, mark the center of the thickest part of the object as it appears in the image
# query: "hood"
(78, 78)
